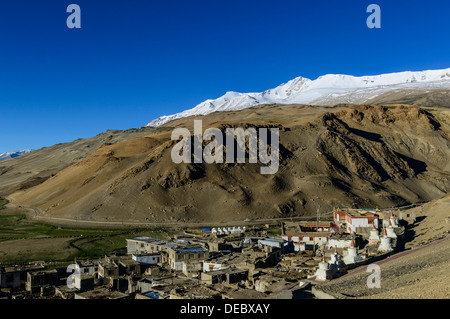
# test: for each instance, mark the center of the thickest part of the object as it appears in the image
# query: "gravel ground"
(421, 273)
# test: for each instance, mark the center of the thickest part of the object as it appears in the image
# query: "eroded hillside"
(358, 156)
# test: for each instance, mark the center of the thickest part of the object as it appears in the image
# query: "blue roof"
(191, 250)
(151, 294)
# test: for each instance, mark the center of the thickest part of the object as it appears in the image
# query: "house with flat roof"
(178, 255)
(16, 276)
(102, 293)
(129, 266)
(305, 235)
(108, 269)
(148, 259)
(38, 279)
(84, 282)
(145, 245)
(349, 221)
(87, 267)
(229, 276)
(272, 242)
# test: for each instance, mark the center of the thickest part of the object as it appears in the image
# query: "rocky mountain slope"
(428, 98)
(358, 156)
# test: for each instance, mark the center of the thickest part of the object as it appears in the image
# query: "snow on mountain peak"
(5, 156)
(327, 89)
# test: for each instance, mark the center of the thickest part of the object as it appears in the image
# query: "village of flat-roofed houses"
(253, 261)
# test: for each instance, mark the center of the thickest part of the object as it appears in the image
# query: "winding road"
(78, 222)
(64, 221)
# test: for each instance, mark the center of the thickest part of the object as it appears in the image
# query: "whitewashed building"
(147, 259)
(207, 266)
(350, 221)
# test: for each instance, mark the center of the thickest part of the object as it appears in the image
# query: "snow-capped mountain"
(5, 156)
(330, 89)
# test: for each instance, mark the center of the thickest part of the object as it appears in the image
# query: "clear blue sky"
(135, 60)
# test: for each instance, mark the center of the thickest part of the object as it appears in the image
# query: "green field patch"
(70, 232)
(274, 232)
(81, 242)
(3, 202)
(11, 218)
(98, 247)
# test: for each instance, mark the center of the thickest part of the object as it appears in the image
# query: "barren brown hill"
(433, 221)
(358, 156)
(34, 168)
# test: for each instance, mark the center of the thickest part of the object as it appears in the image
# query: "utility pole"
(317, 228)
(318, 217)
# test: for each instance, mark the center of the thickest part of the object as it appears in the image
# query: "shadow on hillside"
(374, 137)
(417, 166)
(410, 233)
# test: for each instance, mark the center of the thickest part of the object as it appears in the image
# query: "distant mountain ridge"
(5, 156)
(327, 90)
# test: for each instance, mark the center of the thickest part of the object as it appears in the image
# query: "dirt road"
(34, 213)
